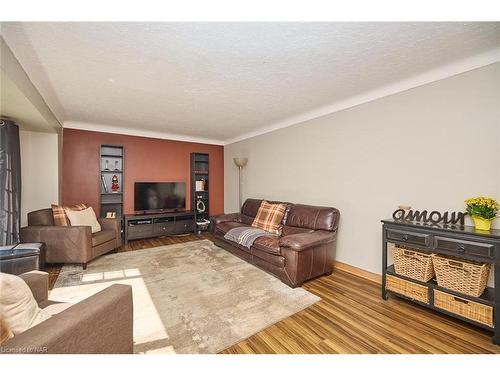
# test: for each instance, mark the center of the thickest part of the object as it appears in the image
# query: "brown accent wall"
(146, 159)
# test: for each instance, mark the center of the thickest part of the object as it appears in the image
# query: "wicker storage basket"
(407, 288)
(469, 309)
(461, 276)
(413, 264)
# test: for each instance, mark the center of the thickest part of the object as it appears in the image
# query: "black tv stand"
(158, 224)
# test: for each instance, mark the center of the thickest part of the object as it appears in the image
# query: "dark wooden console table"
(458, 241)
(155, 225)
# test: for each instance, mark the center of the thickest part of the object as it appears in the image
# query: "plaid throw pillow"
(269, 217)
(60, 218)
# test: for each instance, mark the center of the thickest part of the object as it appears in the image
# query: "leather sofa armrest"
(301, 241)
(226, 217)
(102, 323)
(38, 282)
(63, 244)
(114, 225)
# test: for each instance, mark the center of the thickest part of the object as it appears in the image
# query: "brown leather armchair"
(100, 324)
(70, 244)
(304, 250)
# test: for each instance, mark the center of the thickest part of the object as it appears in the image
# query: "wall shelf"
(112, 156)
(200, 172)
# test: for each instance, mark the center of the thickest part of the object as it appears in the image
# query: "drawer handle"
(405, 237)
(464, 301)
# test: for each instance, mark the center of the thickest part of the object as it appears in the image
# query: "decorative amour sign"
(434, 217)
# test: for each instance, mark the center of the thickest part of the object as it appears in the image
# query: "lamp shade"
(240, 162)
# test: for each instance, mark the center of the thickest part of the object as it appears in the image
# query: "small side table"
(25, 257)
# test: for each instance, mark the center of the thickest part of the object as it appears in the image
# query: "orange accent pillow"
(269, 217)
(60, 217)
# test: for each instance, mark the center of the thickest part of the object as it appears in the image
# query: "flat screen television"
(159, 196)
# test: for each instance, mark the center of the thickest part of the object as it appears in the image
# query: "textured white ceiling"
(219, 81)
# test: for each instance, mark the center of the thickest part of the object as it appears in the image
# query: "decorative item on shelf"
(483, 211)
(405, 208)
(115, 187)
(106, 165)
(116, 165)
(200, 206)
(240, 163)
(202, 224)
(110, 215)
(434, 217)
(201, 185)
(104, 185)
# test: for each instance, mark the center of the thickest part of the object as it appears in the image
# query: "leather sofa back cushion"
(19, 308)
(287, 230)
(41, 217)
(249, 210)
(312, 217)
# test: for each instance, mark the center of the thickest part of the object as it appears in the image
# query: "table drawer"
(184, 226)
(164, 228)
(472, 310)
(140, 230)
(465, 247)
(409, 237)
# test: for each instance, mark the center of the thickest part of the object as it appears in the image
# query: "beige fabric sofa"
(103, 323)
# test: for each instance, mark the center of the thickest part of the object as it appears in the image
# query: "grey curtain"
(10, 183)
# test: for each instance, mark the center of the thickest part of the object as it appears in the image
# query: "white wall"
(429, 147)
(39, 171)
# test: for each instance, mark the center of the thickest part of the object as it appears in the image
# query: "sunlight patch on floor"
(110, 275)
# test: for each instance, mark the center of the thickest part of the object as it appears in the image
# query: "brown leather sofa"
(304, 250)
(70, 244)
(100, 324)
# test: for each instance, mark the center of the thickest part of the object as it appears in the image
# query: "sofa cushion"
(86, 217)
(270, 216)
(17, 304)
(288, 230)
(223, 228)
(43, 217)
(102, 237)
(268, 244)
(251, 207)
(274, 259)
(313, 217)
(59, 213)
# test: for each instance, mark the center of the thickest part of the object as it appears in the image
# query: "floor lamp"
(240, 163)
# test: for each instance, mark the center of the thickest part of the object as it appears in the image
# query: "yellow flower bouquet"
(482, 210)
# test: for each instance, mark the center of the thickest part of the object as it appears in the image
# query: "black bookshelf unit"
(111, 167)
(200, 201)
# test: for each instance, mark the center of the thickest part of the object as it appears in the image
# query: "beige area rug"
(192, 297)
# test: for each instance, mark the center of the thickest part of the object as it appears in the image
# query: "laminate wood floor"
(350, 318)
